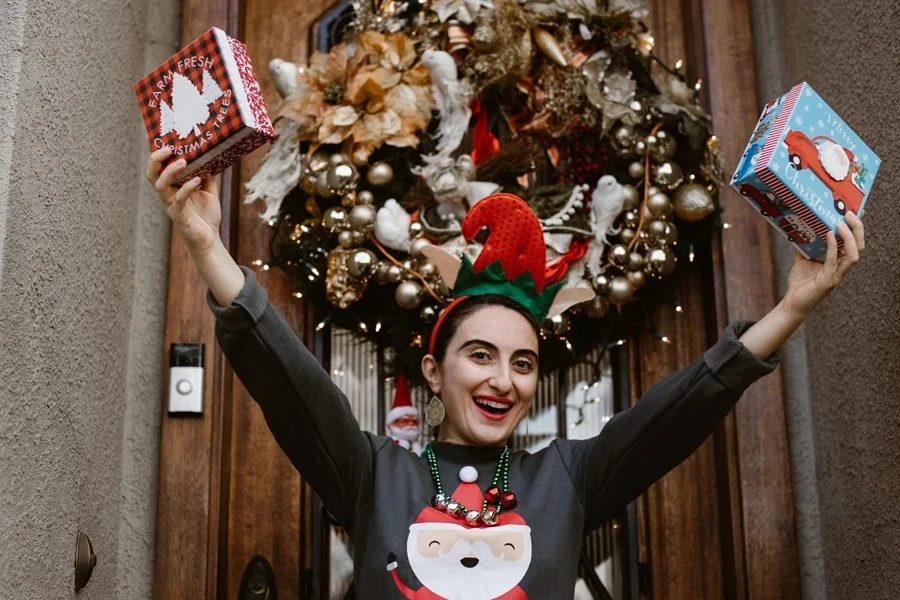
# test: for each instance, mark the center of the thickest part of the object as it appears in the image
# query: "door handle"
(258, 582)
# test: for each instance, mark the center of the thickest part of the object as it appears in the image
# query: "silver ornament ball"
(618, 255)
(621, 291)
(409, 295)
(345, 239)
(659, 206)
(380, 174)
(416, 247)
(362, 217)
(667, 175)
(631, 197)
(365, 197)
(636, 170)
(637, 279)
(335, 218)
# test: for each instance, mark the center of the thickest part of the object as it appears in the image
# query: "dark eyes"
(520, 363)
(433, 542)
(510, 545)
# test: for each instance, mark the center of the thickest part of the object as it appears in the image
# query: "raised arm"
(673, 418)
(308, 415)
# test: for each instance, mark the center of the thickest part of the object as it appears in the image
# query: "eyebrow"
(490, 346)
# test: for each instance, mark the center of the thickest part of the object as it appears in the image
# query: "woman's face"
(488, 377)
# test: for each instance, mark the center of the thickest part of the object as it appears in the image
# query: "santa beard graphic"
(457, 562)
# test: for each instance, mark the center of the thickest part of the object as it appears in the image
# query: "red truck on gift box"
(767, 202)
(796, 230)
(804, 154)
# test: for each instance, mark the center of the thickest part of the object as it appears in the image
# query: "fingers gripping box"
(804, 168)
(205, 104)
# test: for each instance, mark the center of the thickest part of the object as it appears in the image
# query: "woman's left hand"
(810, 280)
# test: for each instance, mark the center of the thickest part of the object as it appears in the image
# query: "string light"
(569, 345)
(678, 64)
(377, 326)
(699, 84)
(665, 340)
(266, 267)
(298, 295)
(321, 325)
(363, 326)
(257, 262)
(725, 225)
(679, 309)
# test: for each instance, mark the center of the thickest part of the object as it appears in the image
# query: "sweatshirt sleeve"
(308, 415)
(638, 446)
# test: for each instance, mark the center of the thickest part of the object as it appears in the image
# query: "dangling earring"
(434, 411)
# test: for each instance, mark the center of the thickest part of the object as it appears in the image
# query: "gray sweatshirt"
(381, 493)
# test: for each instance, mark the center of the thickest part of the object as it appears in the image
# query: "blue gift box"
(804, 168)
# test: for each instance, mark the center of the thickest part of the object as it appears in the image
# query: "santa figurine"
(402, 421)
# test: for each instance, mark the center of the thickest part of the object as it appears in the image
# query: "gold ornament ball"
(660, 206)
(365, 197)
(416, 246)
(380, 174)
(348, 200)
(630, 219)
(321, 186)
(620, 291)
(358, 237)
(660, 261)
(664, 148)
(623, 137)
(345, 239)
(427, 269)
(601, 284)
(361, 263)
(428, 314)
(408, 264)
(557, 325)
(626, 235)
(635, 261)
(693, 202)
(409, 295)
(308, 183)
(394, 273)
(618, 255)
(668, 175)
(597, 307)
(381, 272)
(362, 217)
(341, 178)
(671, 234)
(656, 230)
(637, 279)
(636, 170)
(631, 197)
(335, 218)
(415, 229)
(337, 159)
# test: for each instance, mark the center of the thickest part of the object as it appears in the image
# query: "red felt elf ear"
(567, 298)
(447, 264)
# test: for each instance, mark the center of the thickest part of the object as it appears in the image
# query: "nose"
(469, 562)
(501, 382)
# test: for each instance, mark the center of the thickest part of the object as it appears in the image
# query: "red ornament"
(492, 494)
(508, 500)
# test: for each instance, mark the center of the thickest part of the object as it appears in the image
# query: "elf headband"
(512, 262)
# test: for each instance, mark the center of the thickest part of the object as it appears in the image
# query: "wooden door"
(720, 526)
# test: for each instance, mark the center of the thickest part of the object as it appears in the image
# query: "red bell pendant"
(492, 494)
(508, 500)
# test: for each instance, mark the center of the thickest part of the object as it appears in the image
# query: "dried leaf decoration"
(377, 95)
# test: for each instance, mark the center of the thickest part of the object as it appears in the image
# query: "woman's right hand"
(193, 208)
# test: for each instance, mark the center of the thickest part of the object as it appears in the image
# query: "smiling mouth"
(492, 408)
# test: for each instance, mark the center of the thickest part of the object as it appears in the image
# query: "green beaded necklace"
(502, 497)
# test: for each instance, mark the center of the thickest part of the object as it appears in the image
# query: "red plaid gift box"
(205, 104)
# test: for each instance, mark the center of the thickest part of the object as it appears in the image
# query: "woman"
(470, 519)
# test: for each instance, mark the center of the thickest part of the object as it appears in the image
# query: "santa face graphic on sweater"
(455, 561)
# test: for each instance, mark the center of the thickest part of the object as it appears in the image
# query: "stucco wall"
(82, 290)
(845, 407)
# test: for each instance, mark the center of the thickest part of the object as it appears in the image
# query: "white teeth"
(491, 404)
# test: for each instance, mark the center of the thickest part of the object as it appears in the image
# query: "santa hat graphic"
(470, 495)
(402, 404)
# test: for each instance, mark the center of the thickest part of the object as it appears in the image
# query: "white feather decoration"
(452, 98)
(279, 172)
